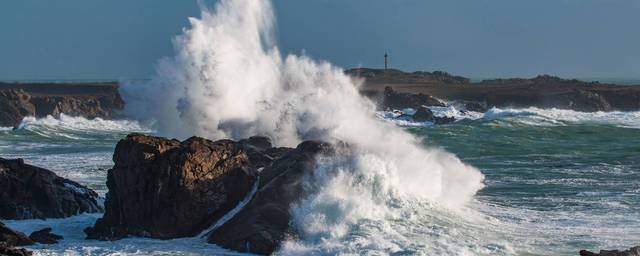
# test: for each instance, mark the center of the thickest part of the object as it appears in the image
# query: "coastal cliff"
(18, 100)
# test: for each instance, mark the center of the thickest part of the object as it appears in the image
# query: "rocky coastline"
(19, 100)
(543, 91)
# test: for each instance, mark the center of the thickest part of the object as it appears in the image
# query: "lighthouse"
(386, 61)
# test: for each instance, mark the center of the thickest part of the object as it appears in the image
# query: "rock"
(28, 192)
(40, 100)
(14, 106)
(11, 237)
(44, 236)
(444, 120)
(423, 114)
(264, 222)
(475, 107)
(163, 188)
(634, 251)
(397, 100)
(6, 250)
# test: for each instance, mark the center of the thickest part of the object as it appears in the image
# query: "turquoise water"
(556, 181)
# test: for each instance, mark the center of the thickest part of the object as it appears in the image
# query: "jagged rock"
(11, 237)
(6, 250)
(165, 188)
(444, 119)
(634, 251)
(475, 107)
(40, 100)
(44, 236)
(28, 192)
(423, 114)
(14, 105)
(397, 100)
(264, 222)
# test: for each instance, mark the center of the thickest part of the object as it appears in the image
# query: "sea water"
(556, 181)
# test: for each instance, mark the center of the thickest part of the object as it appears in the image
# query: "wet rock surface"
(634, 251)
(9, 239)
(264, 222)
(30, 192)
(44, 236)
(164, 188)
(18, 100)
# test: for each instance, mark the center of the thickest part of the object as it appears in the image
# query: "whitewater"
(506, 182)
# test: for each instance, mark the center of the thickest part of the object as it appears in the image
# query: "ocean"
(556, 181)
(504, 182)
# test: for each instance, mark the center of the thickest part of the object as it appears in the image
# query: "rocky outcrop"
(165, 188)
(9, 239)
(28, 192)
(634, 251)
(6, 250)
(41, 100)
(44, 236)
(264, 222)
(14, 106)
(543, 91)
(424, 114)
(396, 100)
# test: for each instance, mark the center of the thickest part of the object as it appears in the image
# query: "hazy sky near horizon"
(97, 39)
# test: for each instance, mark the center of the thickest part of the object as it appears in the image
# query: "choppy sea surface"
(556, 181)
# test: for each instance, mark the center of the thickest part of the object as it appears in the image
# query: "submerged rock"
(44, 236)
(634, 251)
(28, 192)
(163, 188)
(264, 222)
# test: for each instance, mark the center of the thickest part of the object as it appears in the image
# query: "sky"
(123, 39)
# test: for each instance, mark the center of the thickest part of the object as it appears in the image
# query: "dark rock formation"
(542, 91)
(396, 100)
(165, 188)
(28, 192)
(11, 237)
(6, 250)
(634, 251)
(423, 114)
(14, 105)
(398, 76)
(40, 100)
(44, 236)
(264, 222)
(475, 107)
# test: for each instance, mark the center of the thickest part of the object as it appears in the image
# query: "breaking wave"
(229, 80)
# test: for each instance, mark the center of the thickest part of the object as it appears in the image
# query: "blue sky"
(98, 39)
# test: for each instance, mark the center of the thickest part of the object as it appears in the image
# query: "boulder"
(44, 236)
(6, 250)
(164, 188)
(11, 237)
(423, 114)
(634, 251)
(14, 106)
(398, 100)
(475, 107)
(28, 192)
(264, 222)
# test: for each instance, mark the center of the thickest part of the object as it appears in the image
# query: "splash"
(229, 80)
